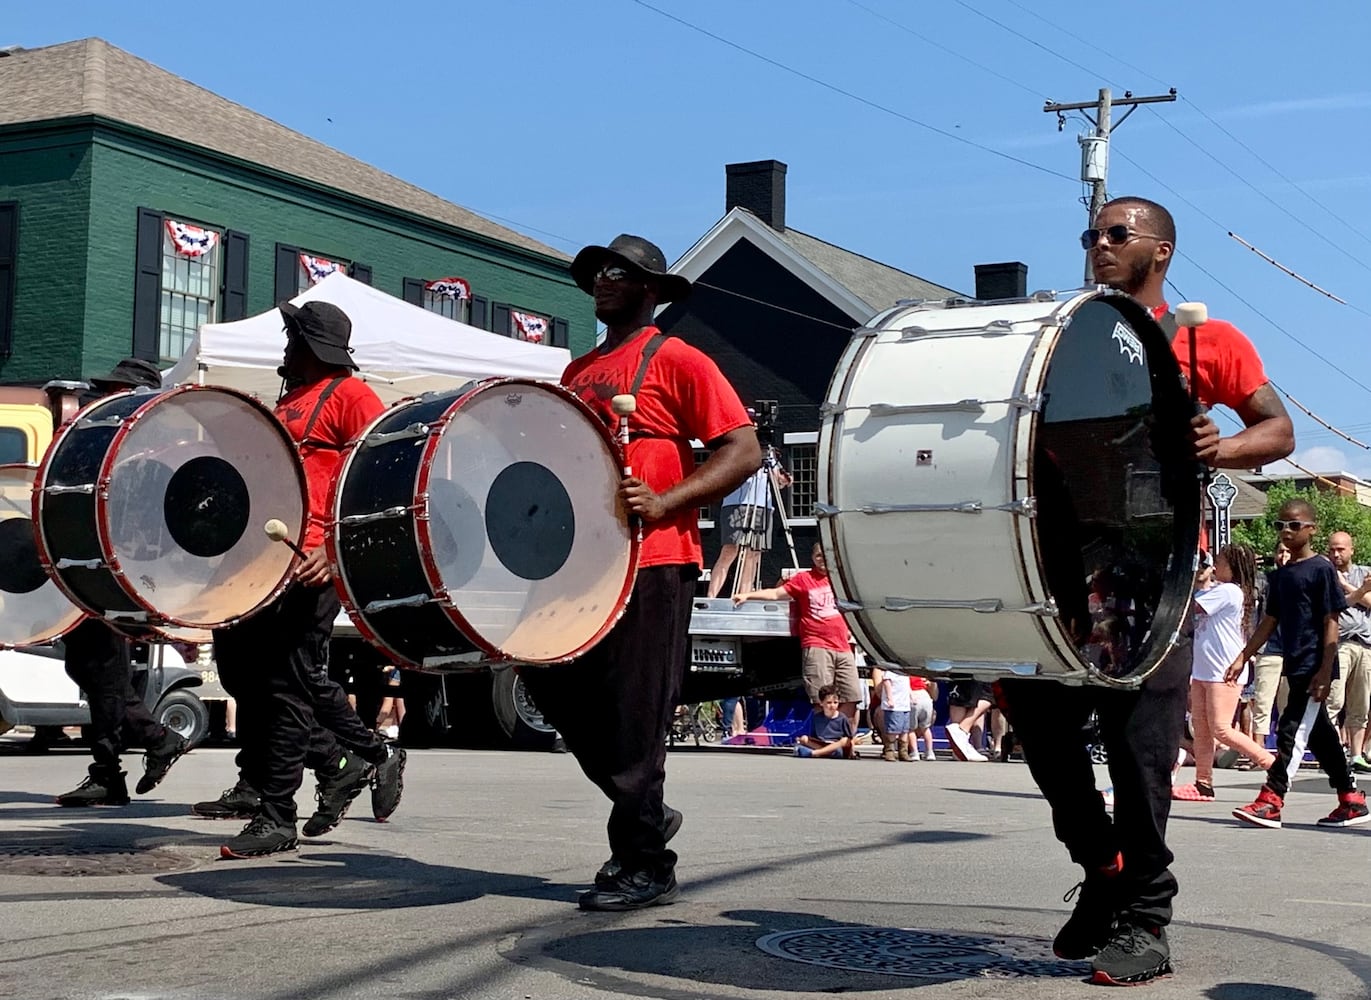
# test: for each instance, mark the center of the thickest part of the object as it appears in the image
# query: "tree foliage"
(1333, 511)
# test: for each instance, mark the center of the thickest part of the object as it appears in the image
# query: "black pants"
(290, 713)
(97, 659)
(1305, 723)
(1141, 730)
(614, 705)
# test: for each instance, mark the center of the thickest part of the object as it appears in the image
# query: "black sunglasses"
(1116, 235)
(1292, 525)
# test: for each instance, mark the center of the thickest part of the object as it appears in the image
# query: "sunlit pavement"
(799, 878)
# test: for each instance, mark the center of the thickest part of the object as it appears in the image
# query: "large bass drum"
(32, 608)
(150, 507)
(483, 522)
(991, 499)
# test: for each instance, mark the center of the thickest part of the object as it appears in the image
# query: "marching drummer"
(1124, 902)
(275, 663)
(98, 659)
(613, 705)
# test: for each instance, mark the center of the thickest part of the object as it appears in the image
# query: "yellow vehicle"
(30, 414)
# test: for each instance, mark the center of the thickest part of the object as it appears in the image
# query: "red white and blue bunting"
(528, 326)
(191, 241)
(319, 268)
(453, 288)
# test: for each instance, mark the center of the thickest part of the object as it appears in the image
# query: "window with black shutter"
(297, 269)
(235, 300)
(412, 291)
(479, 312)
(9, 253)
(524, 324)
(499, 314)
(147, 285)
(449, 297)
(561, 335)
(360, 272)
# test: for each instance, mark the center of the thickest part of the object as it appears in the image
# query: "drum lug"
(87, 488)
(416, 430)
(101, 422)
(379, 515)
(412, 601)
(1025, 401)
(980, 605)
(996, 668)
(79, 564)
(1026, 506)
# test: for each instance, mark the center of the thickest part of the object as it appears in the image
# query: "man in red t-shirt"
(1125, 900)
(614, 704)
(275, 663)
(825, 643)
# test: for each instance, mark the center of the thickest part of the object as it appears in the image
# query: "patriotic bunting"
(453, 288)
(319, 268)
(528, 326)
(191, 241)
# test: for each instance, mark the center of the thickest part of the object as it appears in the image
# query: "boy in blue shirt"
(829, 733)
(1304, 600)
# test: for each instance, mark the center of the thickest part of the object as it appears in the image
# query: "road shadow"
(102, 830)
(794, 953)
(1256, 991)
(371, 881)
(49, 809)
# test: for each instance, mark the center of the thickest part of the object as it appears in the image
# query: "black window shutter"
(560, 336)
(147, 286)
(287, 272)
(499, 313)
(413, 291)
(9, 252)
(478, 312)
(235, 277)
(360, 272)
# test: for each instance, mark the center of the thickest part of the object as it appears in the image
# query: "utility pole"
(1095, 147)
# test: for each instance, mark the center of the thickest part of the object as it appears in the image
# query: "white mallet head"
(624, 404)
(276, 530)
(1192, 314)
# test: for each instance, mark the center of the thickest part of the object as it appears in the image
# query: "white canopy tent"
(400, 349)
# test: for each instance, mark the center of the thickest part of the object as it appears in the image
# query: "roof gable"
(92, 77)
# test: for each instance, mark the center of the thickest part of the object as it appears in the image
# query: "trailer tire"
(185, 714)
(518, 718)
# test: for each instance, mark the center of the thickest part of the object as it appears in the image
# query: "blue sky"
(573, 121)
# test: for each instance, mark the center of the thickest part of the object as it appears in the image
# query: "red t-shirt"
(821, 623)
(345, 413)
(1229, 367)
(684, 396)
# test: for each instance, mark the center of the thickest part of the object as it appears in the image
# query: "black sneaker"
(102, 787)
(261, 836)
(632, 891)
(239, 802)
(158, 760)
(388, 784)
(1091, 924)
(1133, 955)
(335, 792)
(610, 871)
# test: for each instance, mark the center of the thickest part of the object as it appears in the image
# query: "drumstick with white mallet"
(1193, 315)
(623, 405)
(278, 532)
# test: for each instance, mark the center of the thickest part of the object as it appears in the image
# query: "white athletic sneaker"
(960, 742)
(931, 756)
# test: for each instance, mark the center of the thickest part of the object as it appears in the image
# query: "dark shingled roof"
(879, 285)
(92, 77)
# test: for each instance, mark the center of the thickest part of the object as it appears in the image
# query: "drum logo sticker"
(1129, 344)
(514, 399)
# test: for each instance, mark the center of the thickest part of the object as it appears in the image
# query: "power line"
(1112, 55)
(1013, 31)
(850, 95)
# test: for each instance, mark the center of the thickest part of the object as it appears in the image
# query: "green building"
(135, 206)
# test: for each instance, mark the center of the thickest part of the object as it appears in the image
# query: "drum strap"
(329, 390)
(652, 346)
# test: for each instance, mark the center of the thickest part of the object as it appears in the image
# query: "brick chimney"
(1001, 281)
(758, 187)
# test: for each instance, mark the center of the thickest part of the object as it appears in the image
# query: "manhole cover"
(929, 955)
(55, 859)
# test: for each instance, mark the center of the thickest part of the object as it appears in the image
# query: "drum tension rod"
(412, 431)
(377, 516)
(100, 422)
(79, 564)
(980, 605)
(1026, 506)
(84, 488)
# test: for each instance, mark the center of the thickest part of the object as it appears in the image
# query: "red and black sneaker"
(1351, 810)
(1265, 811)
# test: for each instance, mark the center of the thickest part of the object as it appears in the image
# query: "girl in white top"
(1224, 617)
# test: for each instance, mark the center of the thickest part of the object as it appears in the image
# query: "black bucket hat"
(325, 328)
(638, 255)
(131, 373)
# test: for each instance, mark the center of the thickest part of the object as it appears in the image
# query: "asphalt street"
(801, 879)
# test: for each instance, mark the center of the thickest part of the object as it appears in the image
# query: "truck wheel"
(517, 716)
(184, 714)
